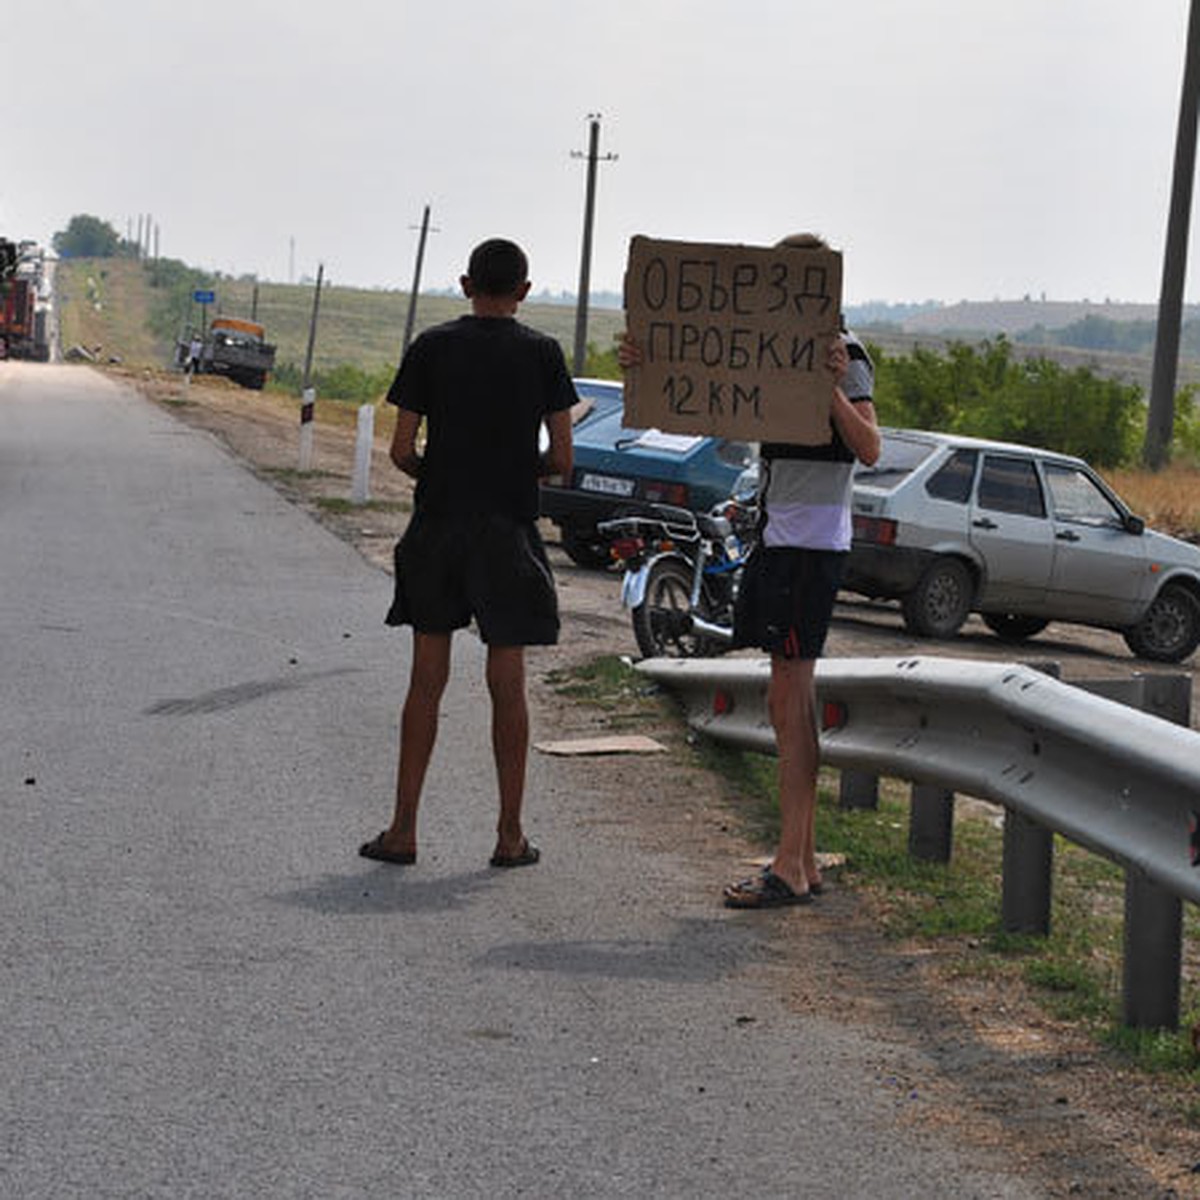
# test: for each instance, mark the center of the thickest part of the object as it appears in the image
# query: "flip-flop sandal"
(526, 857)
(374, 850)
(814, 889)
(765, 891)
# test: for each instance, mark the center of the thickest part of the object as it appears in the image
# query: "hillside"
(109, 303)
(1016, 316)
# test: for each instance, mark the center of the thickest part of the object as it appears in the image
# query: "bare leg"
(791, 701)
(510, 741)
(418, 733)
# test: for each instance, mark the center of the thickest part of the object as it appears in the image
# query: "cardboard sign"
(734, 339)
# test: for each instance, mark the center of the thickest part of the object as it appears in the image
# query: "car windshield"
(898, 458)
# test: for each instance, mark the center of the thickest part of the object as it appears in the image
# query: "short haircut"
(498, 267)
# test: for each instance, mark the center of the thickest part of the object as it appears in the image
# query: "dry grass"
(1168, 499)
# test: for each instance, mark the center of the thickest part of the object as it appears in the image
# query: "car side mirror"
(1134, 525)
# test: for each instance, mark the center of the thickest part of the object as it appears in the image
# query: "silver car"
(953, 525)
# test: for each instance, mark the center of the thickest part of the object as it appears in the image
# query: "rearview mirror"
(1134, 524)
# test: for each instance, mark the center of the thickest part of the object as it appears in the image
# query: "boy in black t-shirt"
(483, 385)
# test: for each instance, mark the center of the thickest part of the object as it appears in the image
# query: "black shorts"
(785, 600)
(450, 569)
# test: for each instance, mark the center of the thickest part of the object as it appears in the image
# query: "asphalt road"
(207, 993)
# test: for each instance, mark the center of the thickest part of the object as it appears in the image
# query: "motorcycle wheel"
(662, 623)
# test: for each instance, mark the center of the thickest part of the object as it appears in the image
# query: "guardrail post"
(1153, 949)
(1028, 874)
(931, 822)
(1169, 697)
(1153, 915)
(858, 789)
(1028, 858)
(1153, 954)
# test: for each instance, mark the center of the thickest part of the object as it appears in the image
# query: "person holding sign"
(483, 385)
(786, 597)
(786, 603)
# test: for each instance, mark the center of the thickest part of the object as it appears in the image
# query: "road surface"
(207, 993)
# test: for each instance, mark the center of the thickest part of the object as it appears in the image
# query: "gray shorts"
(450, 569)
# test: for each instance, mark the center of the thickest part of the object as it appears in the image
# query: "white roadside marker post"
(360, 488)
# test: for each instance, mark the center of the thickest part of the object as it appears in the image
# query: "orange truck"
(232, 347)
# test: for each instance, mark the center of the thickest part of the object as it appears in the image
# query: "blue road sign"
(204, 297)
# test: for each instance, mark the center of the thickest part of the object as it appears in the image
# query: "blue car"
(620, 471)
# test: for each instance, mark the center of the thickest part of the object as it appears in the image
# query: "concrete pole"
(585, 264)
(1160, 421)
(416, 285)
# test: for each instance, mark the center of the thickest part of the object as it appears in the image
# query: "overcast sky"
(952, 149)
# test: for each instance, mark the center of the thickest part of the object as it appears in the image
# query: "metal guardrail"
(1122, 783)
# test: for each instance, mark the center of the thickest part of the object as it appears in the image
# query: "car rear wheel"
(584, 548)
(1013, 628)
(662, 623)
(1170, 630)
(941, 601)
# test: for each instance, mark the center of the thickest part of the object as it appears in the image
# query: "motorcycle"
(681, 574)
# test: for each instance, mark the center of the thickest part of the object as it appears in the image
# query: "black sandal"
(525, 857)
(764, 891)
(374, 850)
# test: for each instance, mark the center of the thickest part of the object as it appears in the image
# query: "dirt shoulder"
(985, 1059)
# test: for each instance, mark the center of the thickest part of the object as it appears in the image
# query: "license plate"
(606, 484)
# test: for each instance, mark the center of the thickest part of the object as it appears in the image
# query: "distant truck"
(22, 320)
(230, 347)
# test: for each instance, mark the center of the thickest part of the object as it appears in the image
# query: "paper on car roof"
(679, 443)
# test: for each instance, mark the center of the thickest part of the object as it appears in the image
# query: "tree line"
(986, 390)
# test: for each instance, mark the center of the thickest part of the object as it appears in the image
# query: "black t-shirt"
(484, 385)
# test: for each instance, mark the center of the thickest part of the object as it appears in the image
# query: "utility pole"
(585, 265)
(308, 394)
(312, 327)
(1160, 419)
(416, 286)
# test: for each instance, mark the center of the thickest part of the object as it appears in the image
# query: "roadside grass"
(1169, 499)
(1074, 974)
(294, 475)
(610, 685)
(339, 506)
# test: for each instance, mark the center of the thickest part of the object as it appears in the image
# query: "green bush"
(343, 382)
(984, 391)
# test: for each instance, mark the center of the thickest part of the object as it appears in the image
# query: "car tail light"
(658, 492)
(879, 531)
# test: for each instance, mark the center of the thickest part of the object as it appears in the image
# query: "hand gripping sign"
(734, 339)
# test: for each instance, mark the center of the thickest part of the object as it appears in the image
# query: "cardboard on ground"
(630, 743)
(734, 339)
